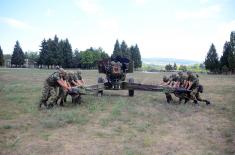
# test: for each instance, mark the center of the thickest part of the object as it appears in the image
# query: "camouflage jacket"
(53, 78)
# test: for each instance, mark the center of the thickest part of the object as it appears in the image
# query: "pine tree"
(76, 59)
(212, 60)
(138, 56)
(175, 66)
(117, 50)
(226, 52)
(43, 54)
(231, 60)
(1, 57)
(67, 54)
(18, 55)
(125, 50)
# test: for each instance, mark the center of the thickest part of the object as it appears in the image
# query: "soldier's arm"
(189, 85)
(63, 84)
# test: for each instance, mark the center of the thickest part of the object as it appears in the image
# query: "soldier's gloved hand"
(69, 88)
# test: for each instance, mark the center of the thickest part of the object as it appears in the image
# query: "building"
(27, 63)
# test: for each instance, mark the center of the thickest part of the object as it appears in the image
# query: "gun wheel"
(131, 91)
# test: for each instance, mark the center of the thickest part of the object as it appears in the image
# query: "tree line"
(224, 64)
(55, 52)
(132, 52)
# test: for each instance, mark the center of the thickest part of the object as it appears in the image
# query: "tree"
(43, 54)
(231, 61)
(135, 56)
(32, 56)
(183, 68)
(168, 67)
(17, 58)
(225, 57)
(76, 59)
(66, 53)
(212, 60)
(175, 66)
(117, 50)
(125, 50)
(1, 57)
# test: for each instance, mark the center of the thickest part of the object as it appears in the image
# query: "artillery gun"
(115, 70)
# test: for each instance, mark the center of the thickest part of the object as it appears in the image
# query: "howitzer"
(157, 88)
(136, 86)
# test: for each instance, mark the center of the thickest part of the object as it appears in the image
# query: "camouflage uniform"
(195, 83)
(50, 89)
(168, 95)
(181, 78)
(72, 76)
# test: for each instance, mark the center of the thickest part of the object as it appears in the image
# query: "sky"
(182, 29)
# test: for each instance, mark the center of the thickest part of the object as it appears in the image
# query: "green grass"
(115, 123)
(59, 118)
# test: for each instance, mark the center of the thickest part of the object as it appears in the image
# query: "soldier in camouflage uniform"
(181, 83)
(51, 85)
(75, 80)
(196, 89)
(167, 82)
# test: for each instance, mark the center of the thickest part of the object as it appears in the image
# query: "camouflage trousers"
(62, 95)
(49, 95)
(194, 95)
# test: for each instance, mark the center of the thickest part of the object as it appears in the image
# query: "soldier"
(172, 80)
(166, 82)
(78, 79)
(181, 80)
(51, 84)
(196, 88)
(74, 80)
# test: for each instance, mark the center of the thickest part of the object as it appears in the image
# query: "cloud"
(204, 13)
(15, 23)
(89, 6)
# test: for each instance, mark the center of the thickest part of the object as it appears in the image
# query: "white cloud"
(89, 6)
(204, 13)
(15, 23)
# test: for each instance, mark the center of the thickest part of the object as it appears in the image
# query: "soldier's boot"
(76, 99)
(168, 97)
(61, 103)
(65, 97)
(42, 103)
(180, 100)
(208, 102)
(195, 102)
(50, 105)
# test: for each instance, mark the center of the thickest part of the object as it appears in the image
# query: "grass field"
(115, 123)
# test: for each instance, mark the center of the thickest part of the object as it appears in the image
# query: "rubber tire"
(131, 91)
(100, 80)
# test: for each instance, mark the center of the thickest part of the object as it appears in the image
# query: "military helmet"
(79, 72)
(173, 75)
(189, 73)
(62, 71)
(180, 73)
(165, 78)
(70, 73)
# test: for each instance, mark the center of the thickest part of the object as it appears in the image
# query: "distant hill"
(164, 61)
